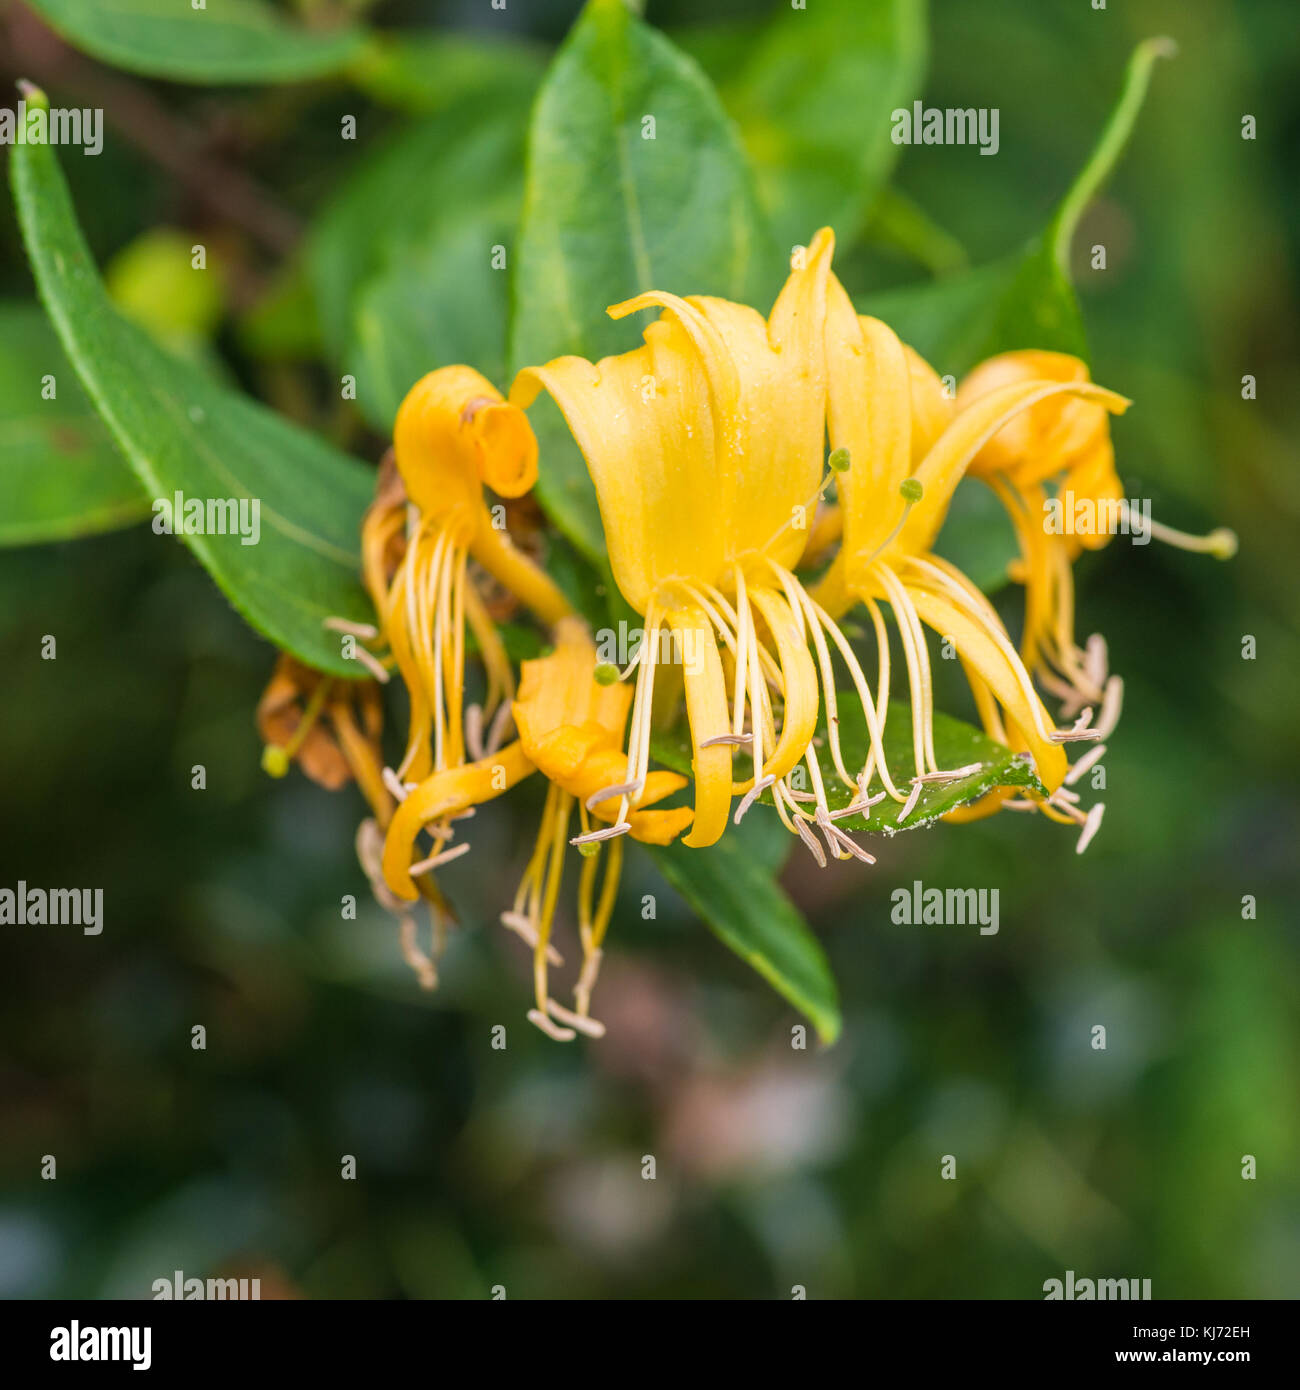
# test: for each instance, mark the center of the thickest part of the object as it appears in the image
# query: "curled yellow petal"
(946, 463)
(571, 729)
(439, 796)
(454, 432)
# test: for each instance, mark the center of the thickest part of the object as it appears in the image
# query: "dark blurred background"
(775, 1167)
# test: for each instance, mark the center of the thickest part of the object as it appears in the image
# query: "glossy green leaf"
(1025, 300)
(409, 262)
(813, 101)
(59, 473)
(732, 887)
(956, 744)
(636, 180)
(225, 41)
(182, 432)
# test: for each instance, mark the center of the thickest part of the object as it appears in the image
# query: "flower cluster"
(759, 480)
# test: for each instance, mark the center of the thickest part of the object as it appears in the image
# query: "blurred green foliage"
(775, 1166)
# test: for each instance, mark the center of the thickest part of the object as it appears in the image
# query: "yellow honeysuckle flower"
(571, 730)
(454, 436)
(1053, 468)
(706, 447)
(907, 454)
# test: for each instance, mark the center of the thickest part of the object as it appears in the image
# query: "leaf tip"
(828, 1030)
(32, 94)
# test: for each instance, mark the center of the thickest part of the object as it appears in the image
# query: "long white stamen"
(832, 832)
(400, 790)
(1090, 827)
(856, 808)
(474, 732)
(918, 670)
(810, 840)
(425, 971)
(372, 664)
(436, 861)
(593, 837)
(752, 796)
(498, 729)
(801, 604)
(638, 743)
(1091, 757)
(591, 1026)
(1064, 801)
(1074, 736)
(590, 970)
(744, 621)
(1096, 661)
(910, 804)
(822, 816)
(366, 631)
(1111, 705)
(993, 628)
(873, 713)
(523, 927)
(950, 775)
(552, 1030)
(759, 710)
(628, 789)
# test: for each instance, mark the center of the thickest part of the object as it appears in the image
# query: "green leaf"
(61, 476)
(977, 535)
(609, 213)
(226, 41)
(1021, 301)
(404, 262)
(902, 225)
(182, 432)
(731, 886)
(813, 102)
(956, 744)
(423, 72)
(1025, 300)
